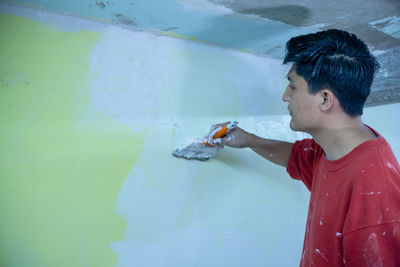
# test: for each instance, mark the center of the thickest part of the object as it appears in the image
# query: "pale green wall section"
(62, 162)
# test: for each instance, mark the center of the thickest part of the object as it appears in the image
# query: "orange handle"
(219, 134)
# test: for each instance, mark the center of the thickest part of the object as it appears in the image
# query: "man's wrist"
(251, 140)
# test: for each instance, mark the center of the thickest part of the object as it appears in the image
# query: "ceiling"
(257, 26)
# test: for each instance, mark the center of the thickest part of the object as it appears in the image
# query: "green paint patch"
(62, 162)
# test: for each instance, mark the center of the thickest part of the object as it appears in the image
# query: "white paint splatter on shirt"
(321, 254)
(370, 193)
(371, 252)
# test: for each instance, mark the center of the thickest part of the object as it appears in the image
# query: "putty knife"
(203, 150)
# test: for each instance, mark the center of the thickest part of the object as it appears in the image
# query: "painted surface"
(91, 114)
(195, 19)
(189, 213)
(62, 161)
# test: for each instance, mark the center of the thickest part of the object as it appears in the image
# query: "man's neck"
(340, 138)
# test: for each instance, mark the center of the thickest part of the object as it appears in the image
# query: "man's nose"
(285, 96)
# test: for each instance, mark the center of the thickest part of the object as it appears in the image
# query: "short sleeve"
(304, 156)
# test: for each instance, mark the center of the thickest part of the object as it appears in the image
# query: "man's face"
(303, 106)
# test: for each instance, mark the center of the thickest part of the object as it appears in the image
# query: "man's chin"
(292, 125)
(295, 127)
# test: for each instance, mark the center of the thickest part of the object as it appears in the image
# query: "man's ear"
(327, 99)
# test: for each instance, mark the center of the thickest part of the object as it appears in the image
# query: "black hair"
(336, 60)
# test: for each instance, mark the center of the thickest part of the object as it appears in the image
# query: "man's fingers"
(212, 134)
(219, 125)
(214, 129)
(226, 140)
(218, 141)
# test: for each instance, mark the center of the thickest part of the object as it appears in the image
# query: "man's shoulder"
(376, 151)
(375, 162)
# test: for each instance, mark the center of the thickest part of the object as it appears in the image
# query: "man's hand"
(275, 151)
(237, 137)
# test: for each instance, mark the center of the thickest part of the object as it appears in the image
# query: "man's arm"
(277, 152)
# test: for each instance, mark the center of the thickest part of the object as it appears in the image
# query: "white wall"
(234, 210)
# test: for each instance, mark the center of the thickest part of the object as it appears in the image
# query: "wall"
(90, 115)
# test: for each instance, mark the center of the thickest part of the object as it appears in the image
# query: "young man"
(354, 178)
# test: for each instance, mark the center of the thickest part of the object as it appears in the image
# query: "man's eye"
(292, 87)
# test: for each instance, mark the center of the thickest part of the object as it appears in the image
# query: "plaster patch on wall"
(152, 79)
(389, 25)
(174, 90)
(187, 213)
(127, 74)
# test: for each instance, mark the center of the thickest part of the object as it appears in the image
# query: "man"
(354, 178)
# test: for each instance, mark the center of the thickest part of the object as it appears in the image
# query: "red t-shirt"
(354, 210)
